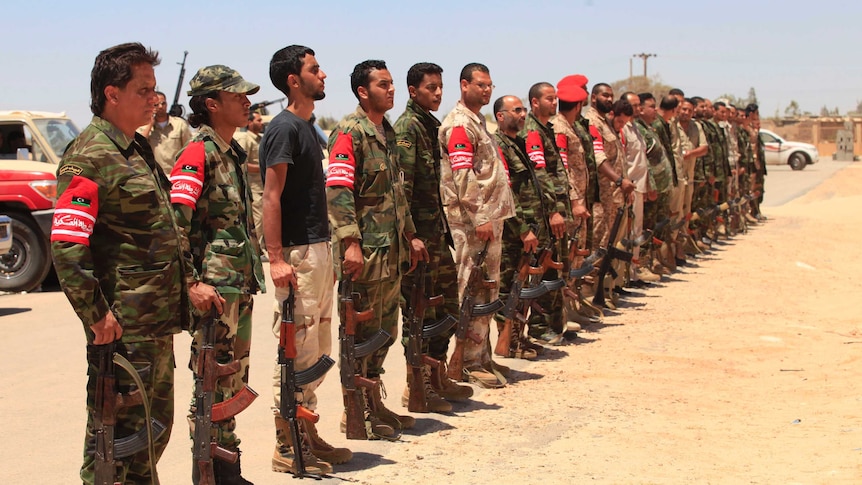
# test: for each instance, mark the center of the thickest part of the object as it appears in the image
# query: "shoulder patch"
(536, 149)
(404, 143)
(70, 169)
(75, 212)
(460, 149)
(187, 176)
(341, 171)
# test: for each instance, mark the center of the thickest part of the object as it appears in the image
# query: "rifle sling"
(151, 439)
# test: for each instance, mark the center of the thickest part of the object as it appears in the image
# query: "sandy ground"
(741, 368)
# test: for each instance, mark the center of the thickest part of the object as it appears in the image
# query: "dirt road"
(742, 368)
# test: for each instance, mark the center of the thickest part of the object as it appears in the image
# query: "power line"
(644, 56)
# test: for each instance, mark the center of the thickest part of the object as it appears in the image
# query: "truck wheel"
(797, 161)
(28, 262)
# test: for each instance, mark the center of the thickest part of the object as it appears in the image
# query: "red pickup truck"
(28, 191)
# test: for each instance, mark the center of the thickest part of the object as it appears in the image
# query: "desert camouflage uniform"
(703, 169)
(211, 197)
(732, 148)
(419, 159)
(116, 248)
(591, 195)
(366, 201)
(574, 158)
(167, 141)
(474, 191)
(250, 143)
(721, 167)
(607, 147)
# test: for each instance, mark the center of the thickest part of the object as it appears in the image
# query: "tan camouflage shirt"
(572, 151)
(167, 141)
(250, 143)
(473, 182)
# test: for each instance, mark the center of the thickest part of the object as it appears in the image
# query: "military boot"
(321, 449)
(375, 428)
(445, 387)
(227, 473)
(284, 458)
(381, 412)
(433, 402)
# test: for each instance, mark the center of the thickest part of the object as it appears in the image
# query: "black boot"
(227, 473)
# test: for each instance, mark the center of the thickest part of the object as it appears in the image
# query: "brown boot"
(379, 410)
(445, 387)
(323, 450)
(375, 428)
(283, 460)
(433, 402)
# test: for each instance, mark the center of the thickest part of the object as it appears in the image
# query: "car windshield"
(58, 132)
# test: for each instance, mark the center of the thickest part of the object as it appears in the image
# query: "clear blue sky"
(790, 50)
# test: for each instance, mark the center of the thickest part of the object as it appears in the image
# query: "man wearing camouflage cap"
(116, 248)
(212, 201)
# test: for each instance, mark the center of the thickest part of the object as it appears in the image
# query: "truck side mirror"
(24, 154)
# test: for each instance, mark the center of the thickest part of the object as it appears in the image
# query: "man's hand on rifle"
(204, 297)
(107, 329)
(627, 186)
(531, 242)
(485, 232)
(353, 259)
(417, 252)
(558, 224)
(579, 211)
(282, 272)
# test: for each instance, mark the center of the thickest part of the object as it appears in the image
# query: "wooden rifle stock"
(475, 280)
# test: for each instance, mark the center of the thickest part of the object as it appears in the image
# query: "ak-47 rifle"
(611, 253)
(417, 331)
(176, 108)
(349, 351)
(292, 382)
(517, 302)
(207, 411)
(261, 106)
(475, 282)
(108, 401)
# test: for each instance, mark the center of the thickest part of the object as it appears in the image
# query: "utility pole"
(644, 56)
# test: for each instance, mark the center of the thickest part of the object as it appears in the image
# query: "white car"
(5, 234)
(782, 152)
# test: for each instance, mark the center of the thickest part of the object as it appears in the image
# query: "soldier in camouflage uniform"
(374, 232)
(117, 249)
(477, 200)
(212, 200)
(721, 165)
(581, 126)
(419, 159)
(746, 162)
(551, 170)
(703, 170)
(758, 173)
(518, 235)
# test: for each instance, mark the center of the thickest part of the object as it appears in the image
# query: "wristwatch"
(619, 181)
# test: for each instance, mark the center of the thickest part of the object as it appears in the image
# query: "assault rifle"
(514, 311)
(291, 382)
(207, 412)
(612, 252)
(108, 401)
(475, 282)
(349, 351)
(418, 331)
(261, 106)
(176, 108)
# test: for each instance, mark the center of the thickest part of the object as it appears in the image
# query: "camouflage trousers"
(467, 245)
(156, 359)
(657, 210)
(312, 314)
(610, 198)
(441, 278)
(382, 296)
(232, 342)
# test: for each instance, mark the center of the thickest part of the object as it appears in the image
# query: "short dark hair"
(676, 92)
(200, 115)
(285, 62)
(623, 107)
(361, 73)
(252, 113)
(669, 102)
(498, 104)
(752, 108)
(113, 67)
(467, 71)
(644, 97)
(159, 93)
(696, 100)
(598, 86)
(566, 106)
(718, 104)
(418, 71)
(536, 90)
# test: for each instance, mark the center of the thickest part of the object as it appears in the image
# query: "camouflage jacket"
(746, 158)
(607, 147)
(703, 165)
(212, 200)
(663, 131)
(539, 144)
(731, 144)
(419, 159)
(114, 237)
(473, 180)
(582, 129)
(574, 158)
(660, 178)
(527, 197)
(718, 147)
(365, 196)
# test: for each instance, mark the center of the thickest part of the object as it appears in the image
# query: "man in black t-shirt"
(296, 231)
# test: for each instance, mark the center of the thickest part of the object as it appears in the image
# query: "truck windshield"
(58, 132)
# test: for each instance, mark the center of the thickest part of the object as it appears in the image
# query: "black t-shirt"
(292, 140)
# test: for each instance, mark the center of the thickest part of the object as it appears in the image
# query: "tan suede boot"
(379, 410)
(323, 450)
(283, 460)
(433, 402)
(445, 387)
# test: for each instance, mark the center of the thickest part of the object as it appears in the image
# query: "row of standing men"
(143, 252)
